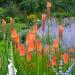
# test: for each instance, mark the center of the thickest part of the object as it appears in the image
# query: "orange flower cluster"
(30, 37)
(61, 29)
(17, 44)
(65, 58)
(31, 41)
(55, 45)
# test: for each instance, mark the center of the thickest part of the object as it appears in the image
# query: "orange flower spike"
(35, 28)
(17, 38)
(3, 23)
(54, 59)
(65, 58)
(61, 29)
(21, 49)
(43, 21)
(13, 33)
(11, 21)
(39, 45)
(4, 27)
(14, 36)
(31, 47)
(55, 44)
(28, 56)
(48, 9)
(30, 37)
(49, 5)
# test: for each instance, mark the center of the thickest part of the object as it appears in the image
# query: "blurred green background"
(27, 10)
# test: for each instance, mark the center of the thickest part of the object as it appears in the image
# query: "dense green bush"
(32, 18)
(2, 12)
(30, 6)
(20, 9)
(12, 10)
(7, 19)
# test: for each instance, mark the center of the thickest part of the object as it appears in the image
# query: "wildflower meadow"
(45, 48)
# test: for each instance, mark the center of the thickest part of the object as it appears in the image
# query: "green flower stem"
(11, 55)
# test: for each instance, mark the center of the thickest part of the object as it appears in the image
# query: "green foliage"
(30, 6)
(2, 12)
(22, 18)
(17, 20)
(12, 10)
(20, 9)
(3, 58)
(7, 19)
(23, 35)
(32, 18)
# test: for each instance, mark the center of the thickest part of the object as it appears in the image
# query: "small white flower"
(11, 69)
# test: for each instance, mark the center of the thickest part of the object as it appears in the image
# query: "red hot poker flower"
(11, 22)
(21, 49)
(13, 33)
(3, 23)
(35, 28)
(16, 38)
(30, 37)
(48, 4)
(39, 45)
(31, 47)
(4, 27)
(54, 59)
(65, 57)
(48, 9)
(55, 44)
(61, 29)
(43, 21)
(28, 56)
